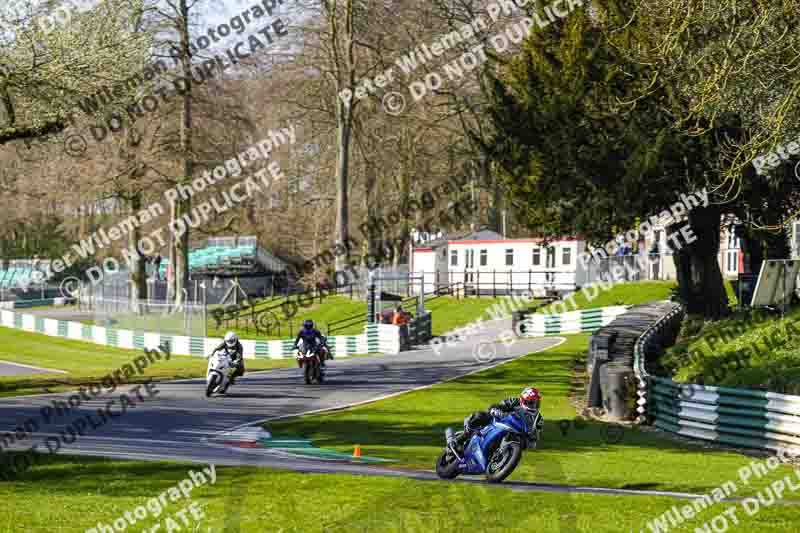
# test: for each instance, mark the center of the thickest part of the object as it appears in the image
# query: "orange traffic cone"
(357, 451)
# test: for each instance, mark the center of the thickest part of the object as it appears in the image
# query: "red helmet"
(529, 398)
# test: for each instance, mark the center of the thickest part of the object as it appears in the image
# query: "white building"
(485, 262)
(795, 235)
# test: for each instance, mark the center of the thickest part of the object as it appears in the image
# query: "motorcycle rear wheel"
(447, 468)
(501, 467)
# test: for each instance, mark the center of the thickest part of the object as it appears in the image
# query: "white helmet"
(231, 339)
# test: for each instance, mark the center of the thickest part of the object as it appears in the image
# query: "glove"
(496, 413)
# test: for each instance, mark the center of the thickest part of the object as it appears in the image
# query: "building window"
(469, 258)
(733, 240)
(509, 257)
(537, 256)
(656, 242)
(551, 257)
(797, 234)
(453, 258)
(566, 257)
(484, 258)
(733, 261)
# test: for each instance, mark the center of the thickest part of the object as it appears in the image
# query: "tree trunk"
(697, 264)
(495, 198)
(173, 215)
(370, 207)
(184, 207)
(344, 118)
(182, 259)
(752, 250)
(409, 165)
(138, 274)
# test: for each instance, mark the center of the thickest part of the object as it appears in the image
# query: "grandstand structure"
(15, 275)
(229, 257)
(24, 278)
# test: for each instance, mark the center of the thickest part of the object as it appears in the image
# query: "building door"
(732, 254)
(550, 265)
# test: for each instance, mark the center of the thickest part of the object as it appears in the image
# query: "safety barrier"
(24, 304)
(420, 330)
(371, 341)
(584, 321)
(735, 416)
(739, 417)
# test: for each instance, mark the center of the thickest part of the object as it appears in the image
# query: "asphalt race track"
(17, 369)
(177, 423)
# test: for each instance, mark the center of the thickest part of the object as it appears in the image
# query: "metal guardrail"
(611, 362)
(734, 416)
(653, 335)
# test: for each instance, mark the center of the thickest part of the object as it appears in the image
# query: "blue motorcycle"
(494, 450)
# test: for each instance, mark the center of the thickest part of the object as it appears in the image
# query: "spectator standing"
(400, 319)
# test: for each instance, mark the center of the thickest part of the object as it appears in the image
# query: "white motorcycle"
(218, 377)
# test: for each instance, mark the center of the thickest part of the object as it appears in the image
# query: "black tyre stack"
(611, 358)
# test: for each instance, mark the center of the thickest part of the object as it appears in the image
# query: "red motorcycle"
(310, 361)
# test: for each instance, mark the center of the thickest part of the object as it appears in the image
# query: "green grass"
(409, 429)
(733, 299)
(74, 494)
(619, 294)
(449, 313)
(66, 494)
(747, 349)
(88, 363)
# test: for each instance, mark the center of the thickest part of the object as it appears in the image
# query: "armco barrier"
(734, 416)
(584, 321)
(739, 417)
(24, 304)
(384, 339)
(610, 364)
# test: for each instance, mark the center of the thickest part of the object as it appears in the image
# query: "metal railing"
(735, 416)
(493, 283)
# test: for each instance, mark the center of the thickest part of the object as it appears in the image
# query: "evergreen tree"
(585, 143)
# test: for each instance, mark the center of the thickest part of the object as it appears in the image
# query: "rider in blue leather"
(528, 399)
(311, 336)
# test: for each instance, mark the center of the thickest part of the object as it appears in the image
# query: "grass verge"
(74, 494)
(618, 294)
(66, 494)
(87, 363)
(449, 313)
(409, 429)
(748, 349)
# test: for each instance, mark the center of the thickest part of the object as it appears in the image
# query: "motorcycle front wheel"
(447, 466)
(503, 461)
(307, 373)
(212, 384)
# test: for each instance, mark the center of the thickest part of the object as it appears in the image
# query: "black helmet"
(308, 324)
